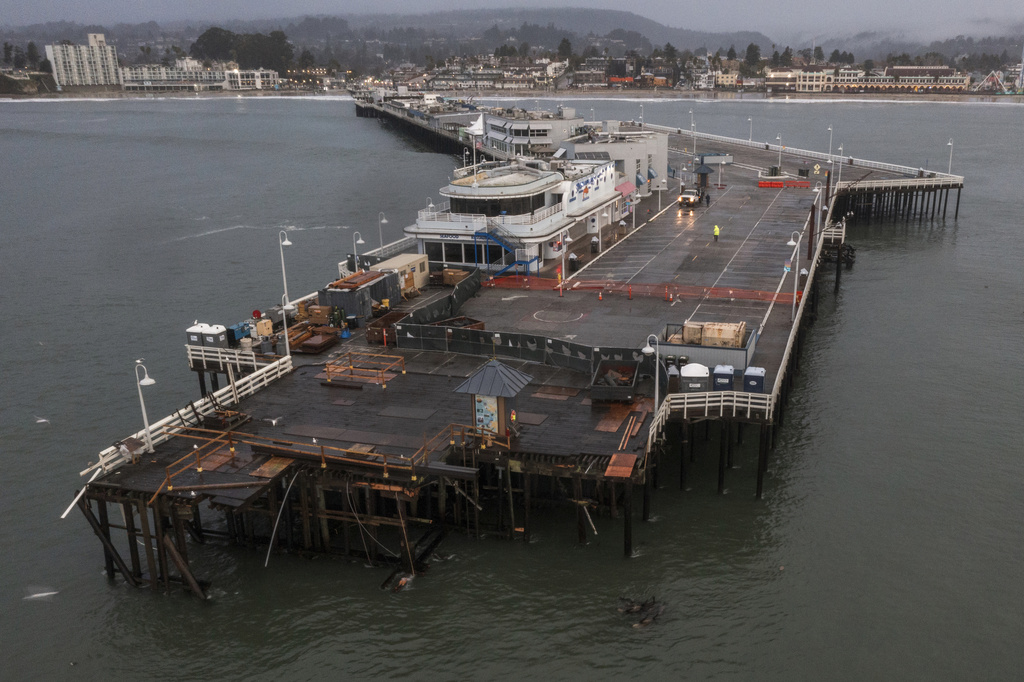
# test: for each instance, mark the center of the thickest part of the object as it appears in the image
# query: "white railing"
(205, 356)
(806, 153)
(165, 429)
(393, 248)
(528, 219)
(711, 403)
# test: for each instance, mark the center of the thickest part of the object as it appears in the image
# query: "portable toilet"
(194, 334)
(215, 335)
(723, 377)
(753, 380)
(673, 379)
(694, 378)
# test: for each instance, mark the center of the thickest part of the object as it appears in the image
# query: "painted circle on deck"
(556, 317)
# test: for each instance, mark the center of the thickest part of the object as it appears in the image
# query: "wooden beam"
(108, 546)
(186, 574)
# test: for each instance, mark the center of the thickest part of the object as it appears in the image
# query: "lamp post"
(565, 247)
(592, 115)
(949, 144)
(465, 157)
(600, 235)
(830, 143)
(144, 381)
(286, 308)
(381, 220)
(641, 115)
(778, 138)
(693, 133)
(840, 178)
(656, 350)
(794, 240)
(750, 137)
(283, 241)
(357, 239)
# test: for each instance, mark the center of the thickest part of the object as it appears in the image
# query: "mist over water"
(888, 543)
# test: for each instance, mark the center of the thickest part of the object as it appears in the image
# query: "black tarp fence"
(449, 306)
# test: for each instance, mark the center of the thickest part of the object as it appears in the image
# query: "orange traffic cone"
(600, 296)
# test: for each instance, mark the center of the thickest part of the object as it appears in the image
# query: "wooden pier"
(377, 454)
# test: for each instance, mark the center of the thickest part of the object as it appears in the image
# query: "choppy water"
(889, 543)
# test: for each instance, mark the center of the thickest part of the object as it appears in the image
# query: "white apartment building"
(92, 64)
(189, 75)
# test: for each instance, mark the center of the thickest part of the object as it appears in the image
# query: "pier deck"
(401, 442)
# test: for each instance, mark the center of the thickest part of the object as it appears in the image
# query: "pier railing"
(205, 357)
(807, 153)
(166, 428)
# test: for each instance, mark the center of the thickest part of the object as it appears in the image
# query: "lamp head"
(647, 350)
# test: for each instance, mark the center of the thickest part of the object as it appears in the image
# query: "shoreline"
(633, 94)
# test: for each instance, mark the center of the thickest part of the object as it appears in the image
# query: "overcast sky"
(776, 18)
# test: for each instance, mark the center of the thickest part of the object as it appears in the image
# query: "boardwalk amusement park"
(554, 338)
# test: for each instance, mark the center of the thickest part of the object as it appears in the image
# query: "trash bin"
(595, 245)
(574, 264)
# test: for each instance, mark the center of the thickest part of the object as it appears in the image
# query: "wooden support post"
(511, 504)
(161, 550)
(526, 506)
(147, 540)
(627, 526)
(109, 551)
(214, 383)
(407, 560)
(179, 533)
(721, 462)
(956, 211)
(581, 525)
(321, 506)
(476, 508)
(839, 265)
(182, 565)
(945, 202)
(684, 445)
(136, 565)
(307, 537)
(648, 485)
(108, 559)
(202, 383)
(729, 454)
(442, 502)
(762, 459)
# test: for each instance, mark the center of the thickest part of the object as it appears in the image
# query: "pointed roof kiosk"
(493, 389)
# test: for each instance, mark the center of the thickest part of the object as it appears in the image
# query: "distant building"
(188, 75)
(92, 64)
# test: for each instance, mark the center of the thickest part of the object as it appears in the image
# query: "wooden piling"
(627, 525)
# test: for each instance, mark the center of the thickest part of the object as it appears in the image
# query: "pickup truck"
(689, 198)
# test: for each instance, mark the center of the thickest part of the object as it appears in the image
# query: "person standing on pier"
(707, 198)
(716, 233)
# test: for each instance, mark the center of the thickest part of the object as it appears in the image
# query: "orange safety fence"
(667, 291)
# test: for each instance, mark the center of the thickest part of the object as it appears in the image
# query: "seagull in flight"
(274, 421)
(42, 420)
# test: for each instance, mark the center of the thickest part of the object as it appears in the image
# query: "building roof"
(495, 379)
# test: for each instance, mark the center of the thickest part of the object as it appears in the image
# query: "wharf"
(382, 452)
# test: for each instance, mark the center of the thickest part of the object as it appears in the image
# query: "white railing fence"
(164, 429)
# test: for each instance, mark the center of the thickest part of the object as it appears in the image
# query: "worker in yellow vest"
(716, 233)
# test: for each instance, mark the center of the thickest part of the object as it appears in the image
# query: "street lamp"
(566, 240)
(830, 143)
(949, 144)
(381, 220)
(641, 115)
(592, 115)
(286, 308)
(357, 239)
(283, 241)
(656, 350)
(750, 137)
(778, 138)
(430, 204)
(600, 237)
(794, 240)
(144, 381)
(840, 178)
